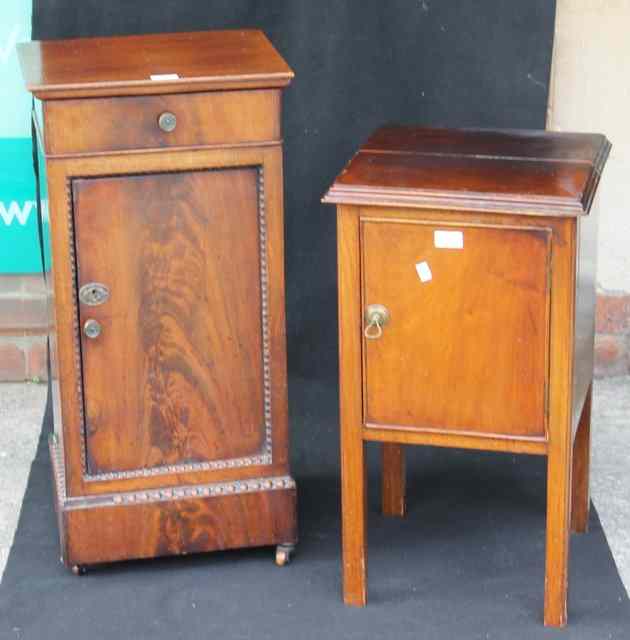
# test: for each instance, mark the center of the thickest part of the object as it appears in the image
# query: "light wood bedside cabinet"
(466, 315)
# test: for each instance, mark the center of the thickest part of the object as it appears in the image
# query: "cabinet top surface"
(157, 63)
(502, 170)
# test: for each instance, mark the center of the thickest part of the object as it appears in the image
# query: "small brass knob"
(167, 121)
(92, 328)
(376, 317)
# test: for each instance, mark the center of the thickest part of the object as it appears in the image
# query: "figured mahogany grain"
(203, 60)
(181, 330)
(60, 172)
(179, 526)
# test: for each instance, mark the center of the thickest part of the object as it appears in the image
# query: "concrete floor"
(610, 470)
(21, 412)
(22, 408)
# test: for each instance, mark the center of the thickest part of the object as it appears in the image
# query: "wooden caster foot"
(78, 569)
(284, 553)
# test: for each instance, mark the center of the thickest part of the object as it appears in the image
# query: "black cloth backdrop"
(358, 65)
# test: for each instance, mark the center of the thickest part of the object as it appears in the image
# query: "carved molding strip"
(264, 312)
(58, 467)
(76, 340)
(264, 456)
(163, 494)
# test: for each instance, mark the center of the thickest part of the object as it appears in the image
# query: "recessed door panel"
(465, 347)
(172, 357)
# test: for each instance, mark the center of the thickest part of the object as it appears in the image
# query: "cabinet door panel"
(176, 374)
(466, 346)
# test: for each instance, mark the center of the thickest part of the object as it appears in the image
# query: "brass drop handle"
(376, 317)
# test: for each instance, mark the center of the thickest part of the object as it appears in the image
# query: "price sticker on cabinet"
(163, 77)
(443, 239)
(424, 271)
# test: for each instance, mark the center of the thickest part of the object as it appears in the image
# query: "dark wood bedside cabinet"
(163, 156)
(466, 315)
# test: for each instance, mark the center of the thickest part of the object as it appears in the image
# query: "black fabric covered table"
(465, 511)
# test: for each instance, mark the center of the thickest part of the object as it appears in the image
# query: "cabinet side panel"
(48, 273)
(585, 302)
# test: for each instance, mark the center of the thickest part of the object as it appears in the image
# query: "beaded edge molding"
(164, 494)
(264, 457)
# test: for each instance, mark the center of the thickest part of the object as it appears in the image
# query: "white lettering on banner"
(15, 211)
(7, 48)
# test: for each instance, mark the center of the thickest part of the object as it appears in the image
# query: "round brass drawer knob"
(167, 121)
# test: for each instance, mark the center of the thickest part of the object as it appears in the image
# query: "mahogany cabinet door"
(466, 346)
(175, 375)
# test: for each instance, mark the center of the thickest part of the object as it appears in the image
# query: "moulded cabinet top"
(501, 170)
(178, 62)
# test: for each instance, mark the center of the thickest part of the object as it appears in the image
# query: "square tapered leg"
(393, 481)
(581, 469)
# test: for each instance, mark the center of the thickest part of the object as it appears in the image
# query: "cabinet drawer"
(121, 124)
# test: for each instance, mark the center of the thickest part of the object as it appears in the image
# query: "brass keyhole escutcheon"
(92, 328)
(376, 317)
(167, 121)
(93, 294)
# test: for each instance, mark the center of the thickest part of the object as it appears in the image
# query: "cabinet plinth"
(164, 185)
(477, 249)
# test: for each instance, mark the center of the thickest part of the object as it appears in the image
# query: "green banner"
(19, 245)
(19, 241)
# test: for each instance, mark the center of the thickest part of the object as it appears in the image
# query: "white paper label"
(160, 77)
(424, 271)
(448, 239)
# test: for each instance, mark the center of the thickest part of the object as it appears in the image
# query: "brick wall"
(612, 343)
(23, 328)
